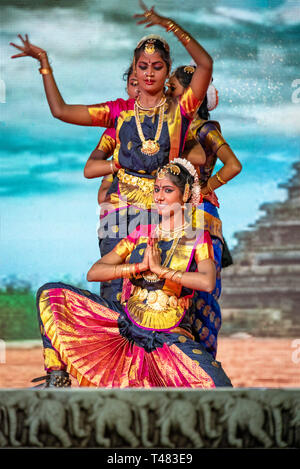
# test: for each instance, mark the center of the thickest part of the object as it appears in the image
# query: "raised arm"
(73, 114)
(204, 63)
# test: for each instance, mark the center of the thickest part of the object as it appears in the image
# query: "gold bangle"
(170, 25)
(45, 71)
(220, 179)
(112, 166)
(173, 27)
(186, 41)
(173, 274)
(184, 38)
(163, 271)
(125, 271)
(180, 275)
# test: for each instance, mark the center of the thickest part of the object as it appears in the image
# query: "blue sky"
(48, 210)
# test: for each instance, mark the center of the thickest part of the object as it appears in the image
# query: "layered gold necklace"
(150, 147)
(172, 233)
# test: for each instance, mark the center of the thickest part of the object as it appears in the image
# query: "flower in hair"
(212, 97)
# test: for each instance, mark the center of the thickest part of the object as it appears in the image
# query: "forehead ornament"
(169, 168)
(150, 47)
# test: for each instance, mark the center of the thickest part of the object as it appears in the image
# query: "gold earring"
(186, 193)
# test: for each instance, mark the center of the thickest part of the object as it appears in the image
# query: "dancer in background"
(148, 341)
(107, 144)
(150, 130)
(205, 136)
(103, 151)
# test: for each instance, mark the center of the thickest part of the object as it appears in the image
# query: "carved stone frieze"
(173, 418)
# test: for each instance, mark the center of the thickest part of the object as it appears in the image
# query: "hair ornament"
(168, 168)
(212, 92)
(173, 168)
(154, 38)
(195, 189)
(150, 47)
(189, 69)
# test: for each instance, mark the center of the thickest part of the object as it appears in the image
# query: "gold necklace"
(161, 102)
(167, 233)
(152, 277)
(149, 147)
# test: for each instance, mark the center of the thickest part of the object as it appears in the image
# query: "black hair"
(184, 79)
(127, 74)
(160, 48)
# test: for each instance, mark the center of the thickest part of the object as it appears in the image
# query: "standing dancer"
(107, 143)
(150, 130)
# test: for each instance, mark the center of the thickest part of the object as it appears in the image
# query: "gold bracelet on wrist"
(171, 274)
(220, 179)
(174, 272)
(170, 26)
(45, 71)
(125, 271)
(112, 166)
(163, 271)
(179, 277)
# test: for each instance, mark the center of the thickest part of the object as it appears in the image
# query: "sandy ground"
(248, 361)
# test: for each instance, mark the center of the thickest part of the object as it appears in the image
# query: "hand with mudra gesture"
(150, 17)
(28, 49)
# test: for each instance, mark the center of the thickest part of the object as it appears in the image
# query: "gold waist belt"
(158, 299)
(145, 184)
(136, 190)
(155, 309)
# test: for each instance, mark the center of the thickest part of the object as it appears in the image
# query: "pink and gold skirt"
(97, 344)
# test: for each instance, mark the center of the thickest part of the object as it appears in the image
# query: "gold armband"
(184, 38)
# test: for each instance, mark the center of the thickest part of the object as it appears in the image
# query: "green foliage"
(18, 317)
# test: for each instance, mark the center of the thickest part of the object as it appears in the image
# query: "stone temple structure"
(261, 290)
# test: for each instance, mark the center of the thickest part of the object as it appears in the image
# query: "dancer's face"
(132, 86)
(151, 71)
(167, 196)
(175, 89)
